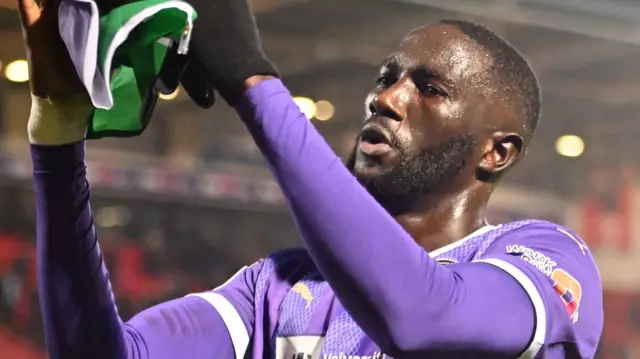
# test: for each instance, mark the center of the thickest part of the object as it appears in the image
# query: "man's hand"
(52, 74)
(225, 49)
(60, 105)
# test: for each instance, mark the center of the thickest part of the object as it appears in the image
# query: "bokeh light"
(570, 146)
(307, 106)
(17, 71)
(324, 110)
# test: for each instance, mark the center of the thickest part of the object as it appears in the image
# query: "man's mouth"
(374, 141)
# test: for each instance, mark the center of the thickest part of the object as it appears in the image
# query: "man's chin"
(367, 170)
(366, 164)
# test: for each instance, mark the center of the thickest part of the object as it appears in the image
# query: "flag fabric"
(119, 53)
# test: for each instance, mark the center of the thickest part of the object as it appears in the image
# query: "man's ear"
(500, 152)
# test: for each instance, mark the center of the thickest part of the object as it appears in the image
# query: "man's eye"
(432, 90)
(384, 81)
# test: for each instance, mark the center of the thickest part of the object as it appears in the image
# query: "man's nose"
(391, 102)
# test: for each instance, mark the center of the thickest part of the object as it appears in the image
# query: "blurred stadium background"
(184, 206)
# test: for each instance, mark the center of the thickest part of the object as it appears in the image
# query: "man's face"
(424, 117)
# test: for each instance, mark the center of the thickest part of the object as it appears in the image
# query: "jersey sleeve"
(235, 302)
(557, 271)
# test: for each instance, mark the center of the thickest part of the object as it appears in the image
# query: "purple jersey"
(362, 288)
(286, 309)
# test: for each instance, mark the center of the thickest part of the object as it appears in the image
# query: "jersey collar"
(480, 231)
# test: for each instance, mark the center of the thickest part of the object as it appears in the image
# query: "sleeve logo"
(542, 262)
(565, 285)
(569, 290)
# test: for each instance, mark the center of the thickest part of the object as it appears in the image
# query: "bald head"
(445, 48)
(513, 78)
(471, 54)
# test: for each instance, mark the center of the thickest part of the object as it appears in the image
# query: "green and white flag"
(119, 54)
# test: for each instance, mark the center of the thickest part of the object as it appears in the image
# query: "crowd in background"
(155, 251)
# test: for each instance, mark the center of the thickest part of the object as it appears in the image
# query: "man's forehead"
(443, 49)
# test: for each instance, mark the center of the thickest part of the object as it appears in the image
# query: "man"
(399, 260)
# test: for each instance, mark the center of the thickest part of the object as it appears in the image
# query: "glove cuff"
(229, 77)
(58, 123)
(226, 44)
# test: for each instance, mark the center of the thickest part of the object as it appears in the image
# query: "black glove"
(177, 69)
(225, 50)
(197, 86)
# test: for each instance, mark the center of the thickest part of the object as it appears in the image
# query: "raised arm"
(393, 289)
(79, 313)
(389, 285)
(396, 293)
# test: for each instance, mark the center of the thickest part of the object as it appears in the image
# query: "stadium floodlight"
(570, 146)
(324, 110)
(17, 71)
(307, 106)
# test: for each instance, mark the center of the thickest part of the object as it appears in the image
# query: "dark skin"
(436, 87)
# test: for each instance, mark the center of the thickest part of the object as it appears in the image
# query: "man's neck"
(446, 220)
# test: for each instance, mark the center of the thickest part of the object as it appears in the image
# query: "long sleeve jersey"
(362, 288)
